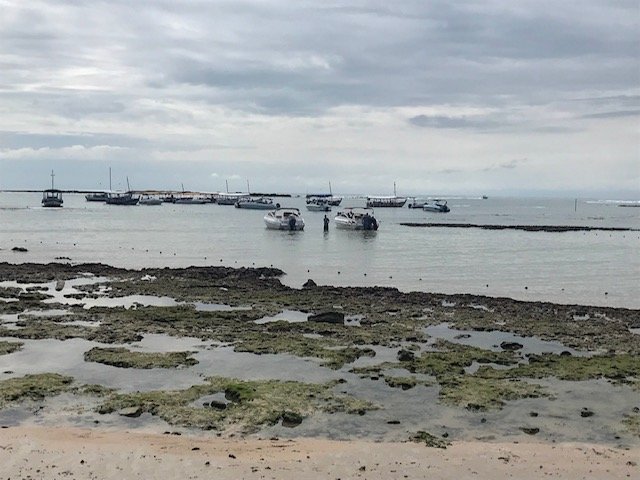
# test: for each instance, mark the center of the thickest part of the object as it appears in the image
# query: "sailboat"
(52, 197)
(323, 198)
(231, 198)
(386, 201)
(122, 198)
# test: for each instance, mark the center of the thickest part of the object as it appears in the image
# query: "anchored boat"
(318, 204)
(261, 203)
(284, 219)
(52, 197)
(386, 201)
(437, 206)
(356, 219)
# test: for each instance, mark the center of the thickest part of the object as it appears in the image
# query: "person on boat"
(326, 223)
(292, 222)
(374, 223)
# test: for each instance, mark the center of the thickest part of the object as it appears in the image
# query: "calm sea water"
(595, 268)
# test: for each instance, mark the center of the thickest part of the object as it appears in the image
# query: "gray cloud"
(185, 78)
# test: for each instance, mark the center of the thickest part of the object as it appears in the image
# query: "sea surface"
(591, 268)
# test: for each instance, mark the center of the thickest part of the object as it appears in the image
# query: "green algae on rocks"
(33, 387)
(252, 404)
(9, 347)
(123, 358)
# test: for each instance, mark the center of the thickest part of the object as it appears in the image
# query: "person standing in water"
(326, 223)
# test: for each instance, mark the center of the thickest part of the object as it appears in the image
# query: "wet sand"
(43, 453)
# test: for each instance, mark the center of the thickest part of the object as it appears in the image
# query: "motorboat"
(122, 198)
(52, 197)
(356, 219)
(318, 204)
(437, 206)
(387, 201)
(261, 203)
(284, 219)
(149, 200)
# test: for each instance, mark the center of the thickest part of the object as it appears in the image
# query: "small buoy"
(606, 293)
(365, 274)
(160, 253)
(338, 272)
(420, 279)
(174, 254)
(307, 270)
(390, 276)
(487, 285)
(526, 288)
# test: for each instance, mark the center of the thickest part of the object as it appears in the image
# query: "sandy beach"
(44, 453)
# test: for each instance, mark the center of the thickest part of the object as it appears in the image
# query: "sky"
(467, 97)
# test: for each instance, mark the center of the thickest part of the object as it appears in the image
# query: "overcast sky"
(483, 96)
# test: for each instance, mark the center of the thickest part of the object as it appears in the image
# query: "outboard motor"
(292, 223)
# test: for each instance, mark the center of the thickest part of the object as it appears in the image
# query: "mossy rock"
(33, 387)
(9, 347)
(123, 358)
(428, 439)
(254, 403)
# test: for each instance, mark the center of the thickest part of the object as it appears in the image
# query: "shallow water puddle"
(291, 316)
(491, 340)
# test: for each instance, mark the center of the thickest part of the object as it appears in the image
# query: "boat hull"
(318, 208)
(257, 205)
(52, 203)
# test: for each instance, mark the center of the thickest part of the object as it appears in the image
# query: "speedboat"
(284, 219)
(318, 204)
(356, 219)
(436, 206)
(149, 200)
(261, 203)
(52, 198)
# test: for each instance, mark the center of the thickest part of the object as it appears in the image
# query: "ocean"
(590, 268)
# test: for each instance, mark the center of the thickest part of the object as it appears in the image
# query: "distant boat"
(230, 198)
(261, 203)
(484, 197)
(99, 196)
(318, 204)
(417, 203)
(356, 219)
(188, 200)
(122, 198)
(387, 201)
(284, 219)
(436, 206)
(149, 200)
(52, 197)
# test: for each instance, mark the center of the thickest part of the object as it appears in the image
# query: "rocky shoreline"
(480, 359)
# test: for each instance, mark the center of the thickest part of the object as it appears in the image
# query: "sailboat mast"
(109, 178)
(52, 175)
(128, 187)
(227, 183)
(394, 189)
(330, 192)
(248, 189)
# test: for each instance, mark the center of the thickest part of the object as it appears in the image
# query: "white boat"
(149, 200)
(387, 201)
(261, 203)
(52, 197)
(436, 206)
(318, 204)
(284, 219)
(356, 219)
